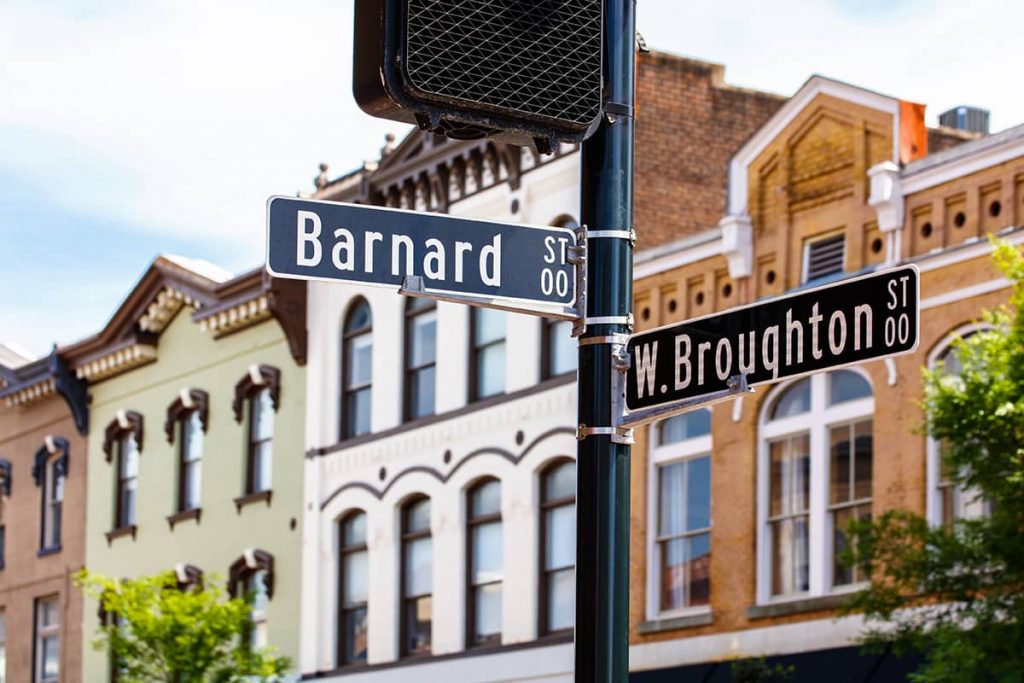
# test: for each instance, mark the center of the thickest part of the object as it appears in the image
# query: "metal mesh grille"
(540, 58)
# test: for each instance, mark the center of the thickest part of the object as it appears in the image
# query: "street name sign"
(338, 242)
(856, 320)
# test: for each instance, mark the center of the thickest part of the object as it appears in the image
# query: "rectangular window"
(417, 579)
(558, 351)
(789, 514)
(191, 464)
(261, 442)
(850, 455)
(420, 358)
(47, 640)
(127, 480)
(824, 257)
(53, 502)
(3, 548)
(256, 589)
(354, 591)
(558, 545)
(485, 567)
(488, 329)
(684, 534)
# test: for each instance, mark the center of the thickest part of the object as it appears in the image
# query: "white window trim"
(42, 632)
(933, 512)
(659, 456)
(816, 421)
(806, 258)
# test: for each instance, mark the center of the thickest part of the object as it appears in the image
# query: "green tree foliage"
(155, 631)
(955, 592)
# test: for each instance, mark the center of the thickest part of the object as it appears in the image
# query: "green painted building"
(196, 445)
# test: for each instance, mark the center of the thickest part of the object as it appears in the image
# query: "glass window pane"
(423, 338)
(486, 499)
(193, 483)
(262, 466)
(490, 371)
(192, 441)
(561, 599)
(862, 457)
(698, 572)
(698, 493)
(418, 516)
(488, 326)
(562, 348)
(790, 475)
(356, 632)
(561, 537)
(359, 412)
(359, 317)
(422, 391)
(673, 579)
(355, 577)
(50, 664)
(486, 560)
(839, 464)
(262, 416)
(795, 401)
(790, 568)
(685, 426)
(418, 569)
(49, 615)
(129, 456)
(355, 529)
(360, 360)
(128, 503)
(418, 625)
(560, 482)
(487, 610)
(256, 587)
(846, 385)
(841, 519)
(672, 514)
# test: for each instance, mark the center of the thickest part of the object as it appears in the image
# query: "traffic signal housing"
(522, 71)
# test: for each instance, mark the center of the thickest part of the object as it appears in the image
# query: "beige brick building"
(737, 512)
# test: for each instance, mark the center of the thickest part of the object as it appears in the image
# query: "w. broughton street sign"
(856, 320)
(488, 260)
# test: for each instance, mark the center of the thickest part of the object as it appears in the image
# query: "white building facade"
(440, 476)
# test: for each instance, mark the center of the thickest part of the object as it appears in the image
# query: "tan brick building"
(43, 415)
(738, 511)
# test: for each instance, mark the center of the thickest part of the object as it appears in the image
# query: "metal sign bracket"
(412, 285)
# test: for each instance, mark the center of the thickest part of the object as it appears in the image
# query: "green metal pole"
(602, 503)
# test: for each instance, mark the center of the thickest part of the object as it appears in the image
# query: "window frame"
(242, 570)
(341, 642)
(126, 424)
(409, 371)
(662, 456)
(120, 522)
(347, 336)
(544, 583)
(406, 537)
(475, 351)
(470, 587)
(547, 357)
(816, 422)
(42, 632)
(51, 519)
(188, 467)
(252, 443)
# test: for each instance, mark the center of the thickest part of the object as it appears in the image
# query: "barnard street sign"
(865, 318)
(318, 240)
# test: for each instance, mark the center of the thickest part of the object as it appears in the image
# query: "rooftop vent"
(971, 119)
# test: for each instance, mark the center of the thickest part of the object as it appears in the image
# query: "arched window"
(353, 589)
(420, 357)
(417, 578)
(487, 352)
(558, 547)
(948, 501)
(357, 370)
(815, 477)
(680, 565)
(484, 563)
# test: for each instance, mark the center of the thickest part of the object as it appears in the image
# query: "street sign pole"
(602, 499)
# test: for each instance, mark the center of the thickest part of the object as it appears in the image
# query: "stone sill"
(779, 609)
(130, 530)
(252, 498)
(185, 515)
(675, 623)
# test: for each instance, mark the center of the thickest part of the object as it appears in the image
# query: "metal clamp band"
(626, 320)
(607, 339)
(618, 434)
(612, 234)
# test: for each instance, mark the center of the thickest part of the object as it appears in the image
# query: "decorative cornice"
(164, 307)
(116, 361)
(40, 379)
(258, 377)
(32, 393)
(188, 400)
(252, 560)
(52, 445)
(126, 422)
(237, 316)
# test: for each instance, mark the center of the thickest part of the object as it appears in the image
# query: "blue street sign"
(337, 242)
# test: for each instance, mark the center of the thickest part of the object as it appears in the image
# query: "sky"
(130, 129)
